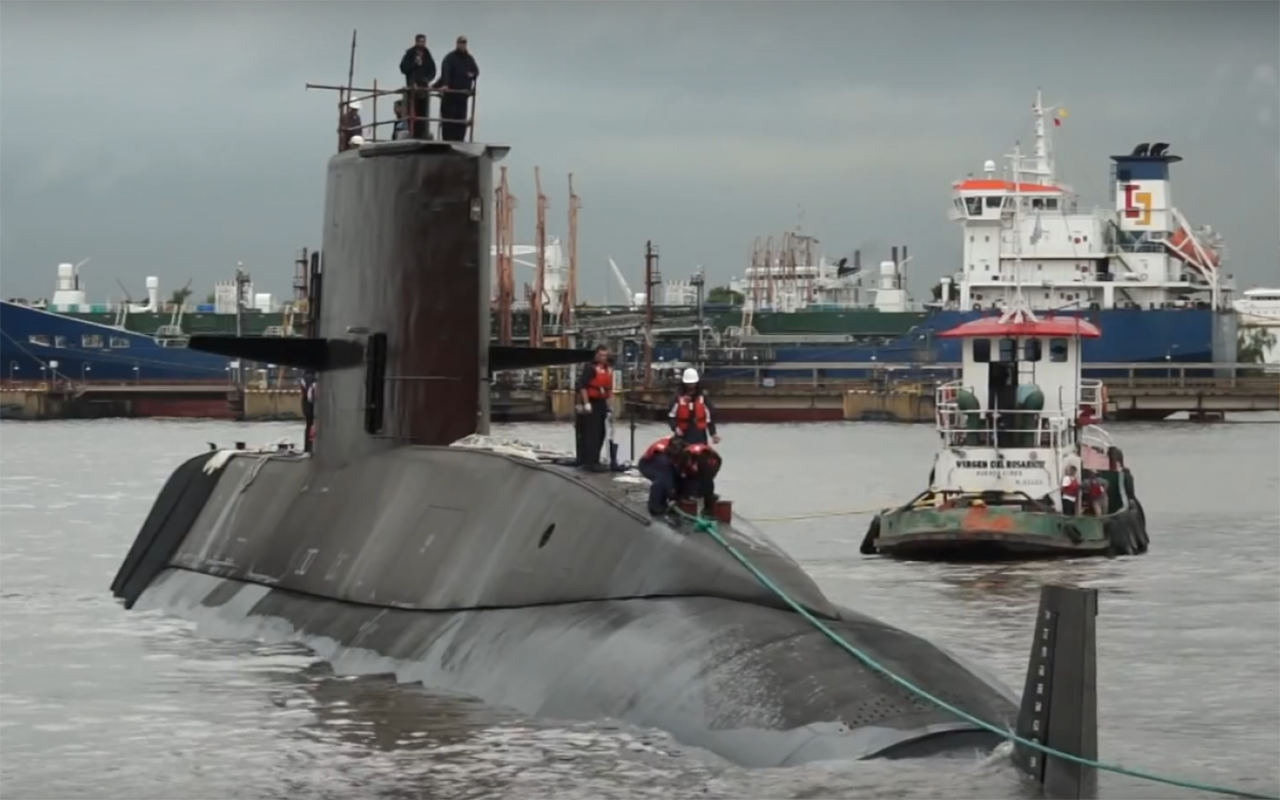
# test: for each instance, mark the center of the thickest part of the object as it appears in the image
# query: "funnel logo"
(1137, 205)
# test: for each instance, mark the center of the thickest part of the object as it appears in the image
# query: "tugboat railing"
(1095, 438)
(1005, 428)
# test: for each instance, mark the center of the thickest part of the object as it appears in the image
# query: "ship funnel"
(66, 277)
(153, 293)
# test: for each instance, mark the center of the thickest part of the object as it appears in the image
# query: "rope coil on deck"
(709, 527)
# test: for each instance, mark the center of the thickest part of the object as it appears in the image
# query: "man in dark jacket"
(419, 69)
(458, 73)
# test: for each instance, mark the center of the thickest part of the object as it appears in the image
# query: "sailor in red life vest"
(1070, 491)
(1095, 494)
(595, 387)
(692, 416)
(698, 466)
(658, 465)
(1086, 415)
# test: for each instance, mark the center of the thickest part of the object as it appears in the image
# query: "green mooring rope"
(709, 527)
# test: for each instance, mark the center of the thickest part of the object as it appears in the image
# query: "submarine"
(406, 540)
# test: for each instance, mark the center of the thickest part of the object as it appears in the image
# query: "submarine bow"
(516, 580)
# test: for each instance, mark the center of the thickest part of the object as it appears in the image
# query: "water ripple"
(99, 703)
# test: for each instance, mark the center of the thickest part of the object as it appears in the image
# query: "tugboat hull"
(980, 532)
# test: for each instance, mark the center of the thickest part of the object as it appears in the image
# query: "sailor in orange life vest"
(658, 464)
(698, 465)
(595, 387)
(691, 416)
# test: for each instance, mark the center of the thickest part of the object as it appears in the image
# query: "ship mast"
(540, 276)
(506, 277)
(1019, 310)
(570, 299)
(1045, 168)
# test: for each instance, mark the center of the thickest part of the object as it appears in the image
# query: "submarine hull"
(613, 615)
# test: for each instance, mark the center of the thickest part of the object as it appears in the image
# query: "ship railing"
(377, 130)
(1092, 395)
(976, 427)
(1096, 439)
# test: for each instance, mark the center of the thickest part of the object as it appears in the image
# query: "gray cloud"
(175, 138)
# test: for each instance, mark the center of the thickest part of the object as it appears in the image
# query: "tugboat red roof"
(1048, 327)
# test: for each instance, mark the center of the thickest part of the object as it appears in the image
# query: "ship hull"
(1156, 336)
(565, 599)
(86, 351)
(999, 533)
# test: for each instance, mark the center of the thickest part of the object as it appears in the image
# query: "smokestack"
(857, 259)
(406, 272)
(893, 256)
(902, 270)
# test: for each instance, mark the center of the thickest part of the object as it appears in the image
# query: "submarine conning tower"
(407, 229)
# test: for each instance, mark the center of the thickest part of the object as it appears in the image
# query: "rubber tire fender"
(1119, 537)
(868, 547)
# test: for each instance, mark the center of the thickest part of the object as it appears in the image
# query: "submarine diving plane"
(406, 541)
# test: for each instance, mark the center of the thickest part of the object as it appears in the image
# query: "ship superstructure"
(1140, 253)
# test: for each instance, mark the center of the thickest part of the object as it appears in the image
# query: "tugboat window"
(1008, 350)
(1031, 350)
(974, 206)
(1058, 350)
(981, 350)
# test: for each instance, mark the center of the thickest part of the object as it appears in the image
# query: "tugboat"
(1022, 470)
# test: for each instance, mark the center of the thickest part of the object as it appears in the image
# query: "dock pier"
(882, 392)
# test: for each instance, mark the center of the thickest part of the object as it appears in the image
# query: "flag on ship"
(1037, 233)
(1062, 114)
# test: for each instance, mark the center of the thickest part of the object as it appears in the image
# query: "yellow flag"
(1062, 113)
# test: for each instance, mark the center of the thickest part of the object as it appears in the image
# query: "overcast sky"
(175, 139)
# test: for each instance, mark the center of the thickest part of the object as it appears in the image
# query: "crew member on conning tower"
(595, 388)
(658, 464)
(692, 416)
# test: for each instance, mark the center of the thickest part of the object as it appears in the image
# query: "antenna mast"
(1045, 168)
(1018, 309)
(539, 281)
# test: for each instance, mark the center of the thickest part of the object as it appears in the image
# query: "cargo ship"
(1138, 270)
(68, 338)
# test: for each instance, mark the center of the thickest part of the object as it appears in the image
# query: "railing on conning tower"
(373, 129)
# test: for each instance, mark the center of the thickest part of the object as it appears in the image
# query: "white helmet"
(356, 140)
(690, 376)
